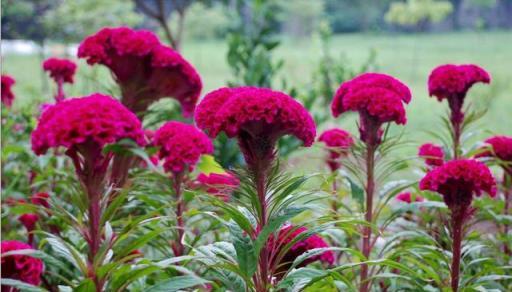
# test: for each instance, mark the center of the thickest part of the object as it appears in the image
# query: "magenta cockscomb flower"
(282, 254)
(258, 117)
(40, 199)
(7, 94)
(19, 267)
(181, 146)
(338, 143)
(379, 98)
(432, 154)
(80, 124)
(408, 198)
(29, 220)
(61, 71)
(84, 126)
(145, 69)
(499, 147)
(457, 181)
(452, 82)
(220, 185)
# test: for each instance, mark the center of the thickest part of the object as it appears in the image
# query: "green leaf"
(86, 285)
(357, 192)
(177, 283)
(207, 165)
(21, 285)
(245, 253)
(274, 225)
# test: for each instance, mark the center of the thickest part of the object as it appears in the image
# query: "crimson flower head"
(286, 235)
(452, 82)
(338, 142)
(379, 98)
(7, 94)
(407, 197)
(432, 153)
(29, 220)
(20, 267)
(40, 199)
(145, 69)
(92, 120)
(458, 180)
(500, 147)
(257, 117)
(61, 70)
(181, 146)
(221, 185)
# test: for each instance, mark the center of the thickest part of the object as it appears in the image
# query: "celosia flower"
(20, 267)
(181, 146)
(219, 184)
(258, 117)
(61, 70)
(286, 235)
(501, 148)
(29, 220)
(459, 180)
(145, 69)
(7, 94)
(379, 98)
(338, 142)
(407, 197)
(75, 123)
(433, 154)
(452, 82)
(40, 199)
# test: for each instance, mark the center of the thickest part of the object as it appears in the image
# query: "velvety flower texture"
(219, 184)
(258, 117)
(97, 119)
(379, 98)
(286, 235)
(447, 81)
(406, 197)
(61, 70)
(459, 180)
(7, 94)
(433, 154)
(145, 69)
(20, 267)
(452, 82)
(338, 142)
(181, 146)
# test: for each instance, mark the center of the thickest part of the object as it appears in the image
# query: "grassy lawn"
(408, 57)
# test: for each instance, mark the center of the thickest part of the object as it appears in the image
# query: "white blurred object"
(27, 47)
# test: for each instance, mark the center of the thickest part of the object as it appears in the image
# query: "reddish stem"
(367, 231)
(260, 175)
(507, 185)
(457, 220)
(60, 91)
(457, 119)
(180, 209)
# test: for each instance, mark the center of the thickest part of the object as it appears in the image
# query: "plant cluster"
(103, 202)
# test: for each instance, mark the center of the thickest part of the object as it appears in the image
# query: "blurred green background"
(408, 39)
